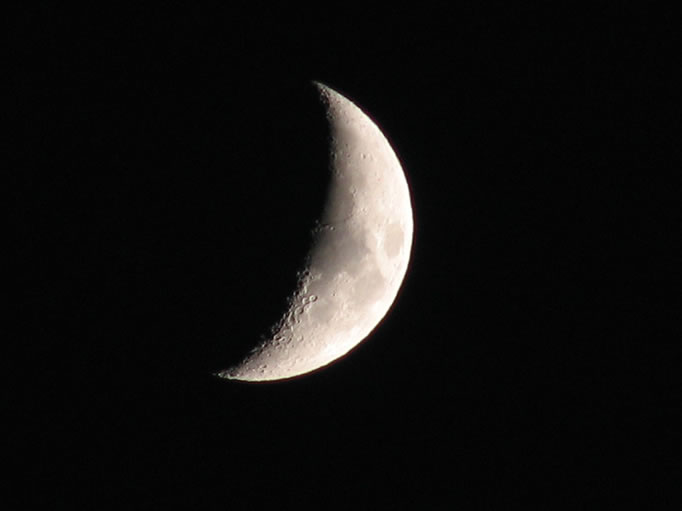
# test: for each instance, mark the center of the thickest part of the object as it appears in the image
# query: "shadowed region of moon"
(358, 259)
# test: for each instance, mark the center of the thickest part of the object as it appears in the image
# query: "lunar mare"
(358, 258)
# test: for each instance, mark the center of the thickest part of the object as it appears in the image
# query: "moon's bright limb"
(358, 258)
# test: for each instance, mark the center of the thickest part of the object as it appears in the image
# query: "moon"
(358, 257)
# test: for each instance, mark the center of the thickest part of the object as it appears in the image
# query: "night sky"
(166, 169)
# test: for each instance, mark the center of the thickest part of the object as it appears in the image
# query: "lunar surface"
(358, 258)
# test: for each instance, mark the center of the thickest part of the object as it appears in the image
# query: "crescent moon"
(358, 259)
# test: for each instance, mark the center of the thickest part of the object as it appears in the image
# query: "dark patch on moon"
(324, 309)
(339, 251)
(394, 240)
(369, 287)
(340, 204)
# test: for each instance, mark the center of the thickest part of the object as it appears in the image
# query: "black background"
(167, 167)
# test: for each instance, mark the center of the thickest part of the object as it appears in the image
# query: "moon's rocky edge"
(358, 258)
